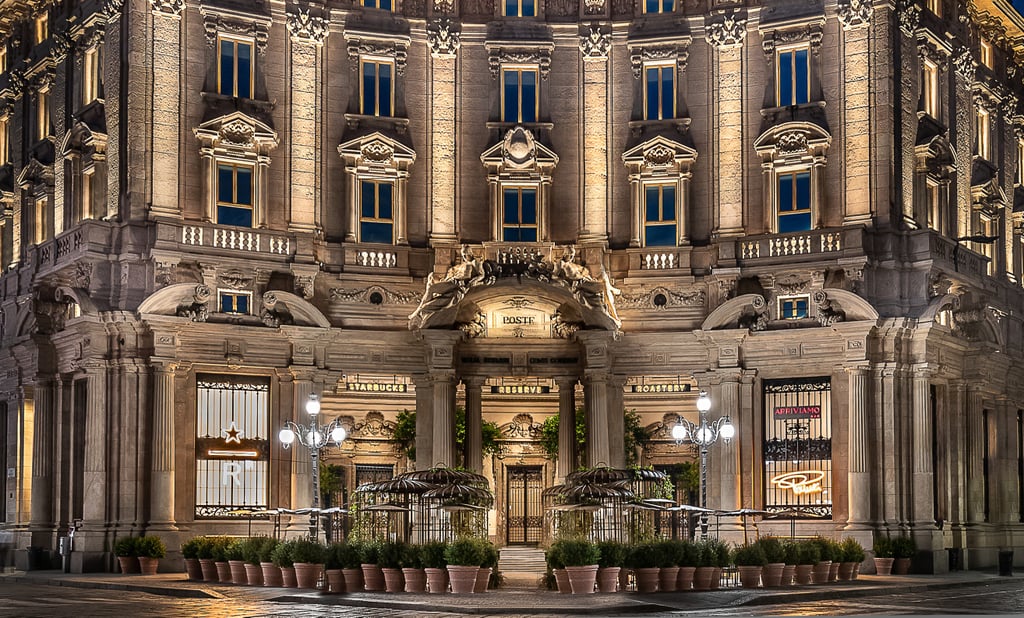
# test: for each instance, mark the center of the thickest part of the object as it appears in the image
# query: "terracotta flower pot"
(353, 580)
(820, 572)
(771, 576)
(562, 581)
(901, 566)
(803, 573)
(483, 577)
(272, 577)
(750, 576)
(209, 568)
(647, 579)
(833, 571)
(684, 582)
(437, 580)
(846, 570)
(668, 579)
(608, 579)
(288, 577)
(148, 566)
(238, 576)
(254, 574)
(335, 581)
(883, 566)
(856, 570)
(373, 578)
(307, 574)
(463, 578)
(415, 580)
(195, 572)
(223, 572)
(624, 579)
(702, 577)
(393, 581)
(582, 578)
(788, 574)
(716, 578)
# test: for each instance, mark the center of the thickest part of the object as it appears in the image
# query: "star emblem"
(232, 434)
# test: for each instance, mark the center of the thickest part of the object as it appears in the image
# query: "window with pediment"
(236, 47)
(377, 172)
(85, 163)
(659, 175)
(36, 182)
(519, 173)
(92, 73)
(935, 162)
(988, 203)
(659, 90)
(982, 133)
(656, 66)
(519, 93)
(519, 71)
(793, 157)
(792, 53)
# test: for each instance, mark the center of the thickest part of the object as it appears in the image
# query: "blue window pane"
(229, 215)
(385, 89)
(511, 8)
(785, 192)
(660, 235)
(227, 67)
(529, 113)
(668, 6)
(527, 8)
(511, 234)
(668, 203)
(511, 206)
(243, 186)
(384, 201)
(801, 76)
(511, 113)
(786, 78)
(795, 223)
(244, 71)
(528, 234)
(529, 207)
(225, 189)
(651, 196)
(801, 308)
(668, 93)
(372, 231)
(369, 88)
(367, 200)
(803, 191)
(385, 4)
(242, 303)
(651, 93)
(227, 304)
(651, 6)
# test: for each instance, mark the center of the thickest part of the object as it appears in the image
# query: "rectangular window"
(376, 212)
(235, 302)
(793, 308)
(935, 6)
(91, 63)
(798, 446)
(42, 220)
(234, 71)
(988, 228)
(659, 92)
(659, 6)
(519, 95)
(232, 447)
(1020, 161)
(3, 58)
(660, 216)
(377, 88)
(982, 134)
(42, 28)
(987, 54)
(519, 8)
(42, 115)
(234, 195)
(930, 88)
(793, 77)
(519, 214)
(378, 4)
(933, 204)
(794, 213)
(5, 142)
(87, 182)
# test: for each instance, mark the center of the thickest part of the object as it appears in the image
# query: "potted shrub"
(689, 560)
(150, 550)
(206, 562)
(488, 567)
(190, 552)
(903, 551)
(272, 577)
(553, 558)
(412, 569)
(236, 561)
(390, 561)
(349, 556)
(643, 561)
(464, 557)
(852, 555)
(373, 577)
(282, 559)
(791, 551)
(580, 558)
(775, 554)
(435, 566)
(332, 569)
(750, 561)
(251, 554)
(883, 555)
(308, 560)
(721, 557)
(220, 558)
(705, 570)
(612, 558)
(825, 557)
(668, 567)
(126, 550)
(809, 556)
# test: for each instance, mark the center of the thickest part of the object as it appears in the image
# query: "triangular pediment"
(237, 130)
(82, 137)
(35, 173)
(377, 149)
(519, 149)
(659, 150)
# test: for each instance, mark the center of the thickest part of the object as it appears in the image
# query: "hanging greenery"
(332, 479)
(404, 436)
(634, 435)
(549, 437)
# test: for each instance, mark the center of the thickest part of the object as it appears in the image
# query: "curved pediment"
(81, 137)
(729, 313)
(167, 301)
(793, 140)
(35, 173)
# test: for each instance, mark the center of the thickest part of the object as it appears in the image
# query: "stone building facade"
(213, 208)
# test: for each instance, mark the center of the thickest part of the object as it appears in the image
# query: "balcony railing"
(802, 243)
(251, 241)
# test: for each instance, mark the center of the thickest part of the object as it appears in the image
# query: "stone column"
(41, 513)
(444, 418)
(424, 421)
(728, 405)
(857, 120)
(308, 33)
(858, 475)
(443, 40)
(161, 498)
(596, 106)
(923, 474)
(726, 32)
(566, 461)
(302, 482)
(595, 400)
(474, 424)
(975, 455)
(165, 143)
(616, 422)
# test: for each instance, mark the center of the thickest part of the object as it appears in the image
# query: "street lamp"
(314, 438)
(702, 436)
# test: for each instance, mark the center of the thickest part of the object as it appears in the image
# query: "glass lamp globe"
(703, 435)
(338, 434)
(313, 406)
(287, 436)
(679, 432)
(727, 431)
(703, 402)
(315, 437)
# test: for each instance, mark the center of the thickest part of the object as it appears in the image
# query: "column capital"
(473, 381)
(566, 381)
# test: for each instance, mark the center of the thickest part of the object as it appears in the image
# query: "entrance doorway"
(523, 510)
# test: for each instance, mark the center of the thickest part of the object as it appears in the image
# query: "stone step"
(522, 560)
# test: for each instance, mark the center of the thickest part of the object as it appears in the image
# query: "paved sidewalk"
(515, 600)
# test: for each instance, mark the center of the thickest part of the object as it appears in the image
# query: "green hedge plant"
(267, 549)
(749, 555)
(233, 550)
(810, 553)
(465, 551)
(774, 550)
(126, 547)
(308, 551)
(883, 547)
(904, 547)
(369, 553)
(642, 557)
(432, 555)
(150, 547)
(390, 555)
(281, 555)
(852, 550)
(190, 548)
(577, 552)
(613, 554)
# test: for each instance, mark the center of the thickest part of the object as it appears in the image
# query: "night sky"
(1019, 5)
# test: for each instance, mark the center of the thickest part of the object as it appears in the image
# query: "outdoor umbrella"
(597, 475)
(793, 514)
(459, 491)
(744, 513)
(400, 485)
(446, 475)
(589, 491)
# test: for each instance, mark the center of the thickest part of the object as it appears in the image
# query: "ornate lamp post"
(314, 438)
(702, 436)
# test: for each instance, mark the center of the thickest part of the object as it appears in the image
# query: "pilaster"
(923, 475)
(975, 455)
(166, 105)
(424, 421)
(858, 476)
(857, 117)
(595, 401)
(161, 509)
(305, 68)
(41, 507)
(444, 418)
(566, 427)
(726, 32)
(616, 422)
(474, 424)
(302, 487)
(595, 106)
(443, 39)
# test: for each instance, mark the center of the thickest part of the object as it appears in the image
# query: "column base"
(91, 562)
(36, 559)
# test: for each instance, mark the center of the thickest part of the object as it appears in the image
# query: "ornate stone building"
(213, 208)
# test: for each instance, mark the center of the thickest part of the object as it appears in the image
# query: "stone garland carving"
(235, 279)
(444, 6)
(539, 57)
(1010, 102)
(595, 41)
(197, 311)
(214, 24)
(443, 37)
(791, 142)
(829, 311)
(373, 426)
(167, 8)
(307, 28)
(728, 32)
(359, 47)
(63, 43)
(645, 300)
(562, 328)
(475, 327)
(18, 82)
(304, 286)
(964, 64)
(363, 295)
(756, 317)
(593, 7)
(910, 18)
(855, 13)
(522, 426)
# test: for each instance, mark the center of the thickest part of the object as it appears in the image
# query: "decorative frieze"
(540, 56)
(369, 47)
(375, 295)
(727, 31)
(964, 64)
(306, 27)
(810, 34)
(593, 7)
(443, 37)
(258, 29)
(910, 17)
(595, 41)
(167, 8)
(639, 55)
(855, 13)
(112, 9)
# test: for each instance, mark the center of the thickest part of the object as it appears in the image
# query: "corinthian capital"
(728, 30)
(168, 8)
(307, 28)
(443, 37)
(855, 13)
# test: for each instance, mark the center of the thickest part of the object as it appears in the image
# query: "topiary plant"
(220, 548)
(664, 554)
(613, 554)
(689, 554)
(307, 551)
(491, 554)
(577, 552)
(126, 547)
(267, 549)
(369, 553)
(852, 550)
(904, 547)
(465, 551)
(251, 549)
(432, 555)
(809, 553)
(233, 550)
(348, 555)
(749, 555)
(281, 555)
(412, 557)
(190, 548)
(791, 551)
(390, 555)
(641, 557)
(883, 547)
(774, 550)
(150, 547)
(826, 551)
(204, 550)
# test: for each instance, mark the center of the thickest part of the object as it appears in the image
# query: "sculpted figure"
(447, 291)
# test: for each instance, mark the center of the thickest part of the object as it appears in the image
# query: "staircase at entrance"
(521, 566)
